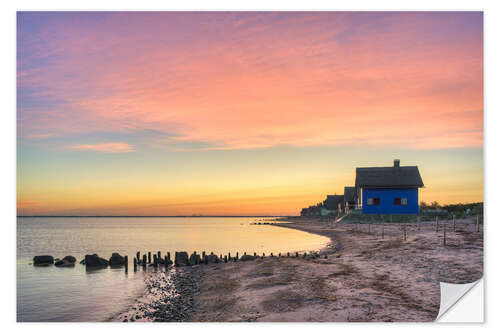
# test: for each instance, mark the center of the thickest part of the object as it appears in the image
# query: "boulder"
(95, 261)
(69, 259)
(64, 263)
(182, 258)
(44, 260)
(247, 257)
(116, 260)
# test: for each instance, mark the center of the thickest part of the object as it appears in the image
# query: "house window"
(404, 201)
(370, 201)
(376, 201)
(397, 201)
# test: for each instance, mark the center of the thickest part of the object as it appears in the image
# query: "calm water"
(73, 294)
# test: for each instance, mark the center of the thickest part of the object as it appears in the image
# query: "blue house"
(388, 190)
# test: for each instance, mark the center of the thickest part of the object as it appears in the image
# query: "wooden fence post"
(444, 234)
(149, 257)
(144, 260)
(138, 256)
(126, 263)
(437, 224)
(135, 264)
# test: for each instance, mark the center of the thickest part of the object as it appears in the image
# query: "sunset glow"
(242, 113)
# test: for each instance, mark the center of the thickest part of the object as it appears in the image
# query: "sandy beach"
(360, 276)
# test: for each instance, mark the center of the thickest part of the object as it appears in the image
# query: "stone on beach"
(212, 259)
(194, 259)
(68, 261)
(95, 261)
(44, 260)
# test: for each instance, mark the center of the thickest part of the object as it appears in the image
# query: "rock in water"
(44, 260)
(116, 260)
(182, 258)
(64, 263)
(95, 261)
(69, 259)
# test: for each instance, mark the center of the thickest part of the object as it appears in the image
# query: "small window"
(404, 201)
(376, 201)
(397, 201)
(370, 201)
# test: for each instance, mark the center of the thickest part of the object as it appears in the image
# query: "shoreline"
(363, 277)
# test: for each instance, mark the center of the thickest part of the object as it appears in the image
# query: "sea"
(75, 294)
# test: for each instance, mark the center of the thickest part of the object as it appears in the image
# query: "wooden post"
(149, 257)
(126, 263)
(288, 254)
(237, 255)
(168, 256)
(155, 260)
(279, 255)
(175, 260)
(159, 255)
(444, 235)
(296, 254)
(225, 259)
(477, 223)
(138, 256)
(229, 256)
(437, 224)
(454, 223)
(255, 254)
(263, 255)
(272, 254)
(418, 223)
(166, 262)
(135, 264)
(144, 260)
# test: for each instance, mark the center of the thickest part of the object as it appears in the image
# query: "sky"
(242, 113)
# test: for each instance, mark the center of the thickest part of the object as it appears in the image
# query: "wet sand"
(364, 278)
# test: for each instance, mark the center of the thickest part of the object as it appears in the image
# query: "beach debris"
(194, 259)
(43, 260)
(212, 259)
(93, 260)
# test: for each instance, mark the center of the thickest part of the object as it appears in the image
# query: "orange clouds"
(108, 147)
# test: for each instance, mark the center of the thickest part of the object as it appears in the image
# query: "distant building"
(388, 190)
(350, 197)
(334, 202)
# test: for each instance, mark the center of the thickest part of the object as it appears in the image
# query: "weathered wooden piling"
(237, 256)
(305, 254)
(229, 255)
(255, 254)
(126, 263)
(444, 234)
(272, 255)
(166, 262)
(155, 260)
(144, 260)
(225, 259)
(279, 254)
(135, 263)
(159, 255)
(288, 254)
(168, 256)
(437, 224)
(149, 257)
(138, 256)
(296, 254)
(175, 259)
(454, 224)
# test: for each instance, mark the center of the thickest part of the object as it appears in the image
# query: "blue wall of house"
(387, 201)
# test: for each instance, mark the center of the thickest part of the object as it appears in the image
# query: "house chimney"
(396, 163)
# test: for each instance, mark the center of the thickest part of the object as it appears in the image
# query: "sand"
(364, 278)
